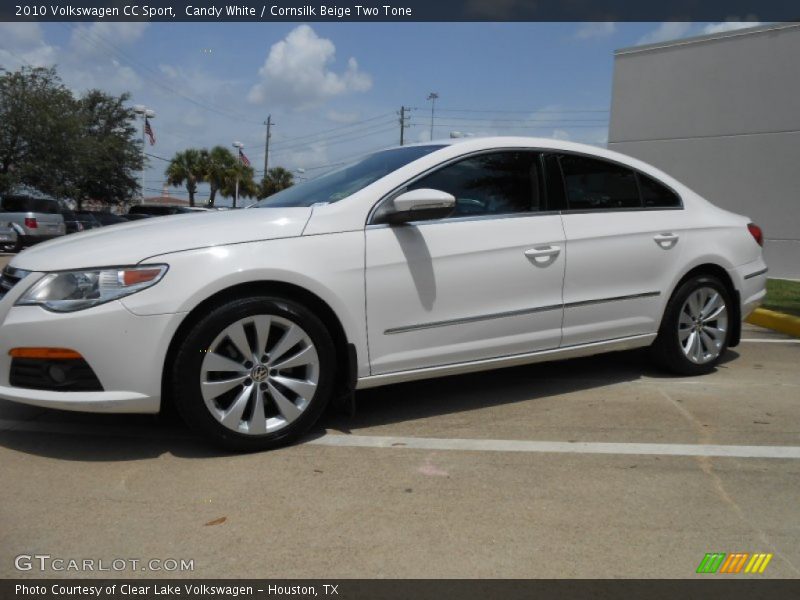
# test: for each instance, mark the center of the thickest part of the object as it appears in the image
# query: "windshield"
(343, 182)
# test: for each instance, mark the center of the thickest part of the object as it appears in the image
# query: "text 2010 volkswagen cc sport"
(414, 262)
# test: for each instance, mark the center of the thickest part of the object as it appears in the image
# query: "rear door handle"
(666, 240)
(543, 254)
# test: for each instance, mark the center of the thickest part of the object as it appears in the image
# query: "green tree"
(275, 180)
(63, 146)
(219, 165)
(247, 185)
(186, 168)
(108, 154)
(39, 129)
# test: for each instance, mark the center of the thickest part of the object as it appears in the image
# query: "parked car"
(75, 221)
(159, 210)
(34, 219)
(136, 216)
(103, 218)
(414, 262)
(8, 237)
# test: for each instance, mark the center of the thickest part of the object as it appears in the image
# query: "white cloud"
(669, 30)
(345, 117)
(101, 37)
(600, 29)
(24, 44)
(732, 24)
(297, 72)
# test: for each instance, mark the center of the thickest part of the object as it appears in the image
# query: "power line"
(551, 120)
(339, 128)
(375, 130)
(155, 78)
(526, 112)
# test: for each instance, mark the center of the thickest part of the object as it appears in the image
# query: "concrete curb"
(775, 320)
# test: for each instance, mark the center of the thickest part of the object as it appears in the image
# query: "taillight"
(756, 232)
(30, 223)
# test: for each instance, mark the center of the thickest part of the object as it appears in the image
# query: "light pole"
(433, 96)
(238, 146)
(141, 109)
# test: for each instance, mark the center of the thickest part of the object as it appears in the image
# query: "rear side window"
(655, 194)
(593, 184)
(490, 184)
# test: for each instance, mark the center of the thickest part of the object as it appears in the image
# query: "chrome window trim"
(401, 188)
(514, 313)
(467, 218)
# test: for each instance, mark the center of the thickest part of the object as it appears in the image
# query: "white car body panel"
(463, 289)
(443, 292)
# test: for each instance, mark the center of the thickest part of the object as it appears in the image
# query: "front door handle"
(543, 255)
(666, 240)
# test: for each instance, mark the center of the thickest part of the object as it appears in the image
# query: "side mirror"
(419, 205)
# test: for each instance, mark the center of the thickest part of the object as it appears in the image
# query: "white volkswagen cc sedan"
(414, 262)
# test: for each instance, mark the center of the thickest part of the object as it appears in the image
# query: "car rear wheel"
(255, 373)
(695, 329)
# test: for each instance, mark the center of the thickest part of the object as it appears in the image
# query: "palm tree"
(275, 180)
(218, 164)
(186, 168)
(247, 185)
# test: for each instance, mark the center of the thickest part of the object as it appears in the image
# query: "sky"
(334, 89)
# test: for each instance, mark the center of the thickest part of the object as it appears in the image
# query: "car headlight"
(68, 291)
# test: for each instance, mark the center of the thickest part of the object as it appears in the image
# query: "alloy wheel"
(703, 325)
(259, 374)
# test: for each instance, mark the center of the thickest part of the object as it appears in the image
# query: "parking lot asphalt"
(579, 468)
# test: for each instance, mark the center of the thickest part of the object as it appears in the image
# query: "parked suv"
(34, 219)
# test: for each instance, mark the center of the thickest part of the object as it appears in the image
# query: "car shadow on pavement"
(433, 397)
(88, 437)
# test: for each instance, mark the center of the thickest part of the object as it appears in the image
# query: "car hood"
(131, 243)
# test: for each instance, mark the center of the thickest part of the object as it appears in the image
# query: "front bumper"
(126, 352)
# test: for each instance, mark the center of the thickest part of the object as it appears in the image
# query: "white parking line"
(416, 443)
(369, 441)
(770, 341)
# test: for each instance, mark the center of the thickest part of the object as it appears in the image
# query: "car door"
(482, 283)
(623, 232)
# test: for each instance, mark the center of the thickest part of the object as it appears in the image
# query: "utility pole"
(432, 97)
(269, 125)
(403, 125)
(238, 146)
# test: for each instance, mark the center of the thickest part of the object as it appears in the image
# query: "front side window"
(489, 184)
(593, 184)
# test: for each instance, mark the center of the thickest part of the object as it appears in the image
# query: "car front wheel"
(695, 328)
(254, 373)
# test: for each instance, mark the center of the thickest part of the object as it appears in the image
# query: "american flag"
(243, 158)
(148, 131)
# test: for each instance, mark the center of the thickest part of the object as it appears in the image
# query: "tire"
(218, 383)
(692, 340)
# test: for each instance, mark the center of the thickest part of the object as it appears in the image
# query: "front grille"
(9, 278)
(58, 375)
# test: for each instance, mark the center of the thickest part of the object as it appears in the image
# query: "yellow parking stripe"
(765, 563)
(754, 562)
